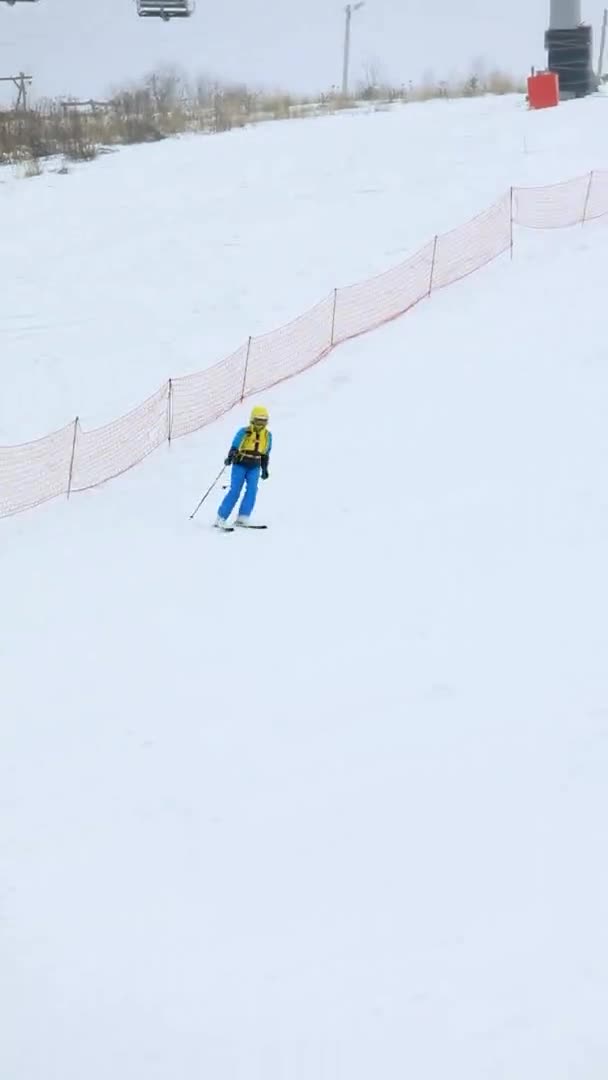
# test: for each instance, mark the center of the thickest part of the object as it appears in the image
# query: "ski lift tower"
(569, 43)
(165, 9)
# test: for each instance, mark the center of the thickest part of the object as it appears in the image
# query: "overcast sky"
(83, 47)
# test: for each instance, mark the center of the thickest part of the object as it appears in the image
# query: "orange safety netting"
(197, 400)
(551, 207)
(597, 204)
(73, 460)
(35, 472)
(111, 450)
(468, 248)
(364, 306)
(289, 350)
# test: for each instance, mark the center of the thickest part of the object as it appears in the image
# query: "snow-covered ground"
(157, 261)
(326, 802)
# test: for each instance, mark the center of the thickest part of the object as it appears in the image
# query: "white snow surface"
(326, 802)
(158, 261)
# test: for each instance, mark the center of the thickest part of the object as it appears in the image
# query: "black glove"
(231, 456)
(265, 474)
(264, 466)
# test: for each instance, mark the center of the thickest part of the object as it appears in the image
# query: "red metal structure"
(543, 90)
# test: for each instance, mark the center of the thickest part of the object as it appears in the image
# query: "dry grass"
(45, 132)
(429, 89)
(166, 103)
(499, 83)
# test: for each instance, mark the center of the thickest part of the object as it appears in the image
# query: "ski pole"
(208, 492)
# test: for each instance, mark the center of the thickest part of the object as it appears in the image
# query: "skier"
(248, 455)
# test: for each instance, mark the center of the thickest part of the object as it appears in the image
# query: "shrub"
(167, 103)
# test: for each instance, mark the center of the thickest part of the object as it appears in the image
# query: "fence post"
(243, 387)
(72, 456)
(332, 341)
(511, 216)
(433, 264)
(587, 198)
(170, 410)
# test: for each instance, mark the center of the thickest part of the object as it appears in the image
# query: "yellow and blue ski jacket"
(251, 448)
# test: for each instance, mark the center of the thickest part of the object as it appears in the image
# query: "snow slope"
(158, 260)
(328, 801)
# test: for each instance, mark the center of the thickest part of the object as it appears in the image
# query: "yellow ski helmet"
(259, 416)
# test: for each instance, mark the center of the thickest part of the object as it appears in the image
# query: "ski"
(241, 528)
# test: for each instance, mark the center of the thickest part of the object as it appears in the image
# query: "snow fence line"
(73, 459)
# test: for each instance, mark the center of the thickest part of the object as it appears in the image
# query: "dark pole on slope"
(349, 9)
(349, 13)
(208, 492)
(600, 66)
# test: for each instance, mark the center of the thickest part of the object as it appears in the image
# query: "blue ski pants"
(241, 476)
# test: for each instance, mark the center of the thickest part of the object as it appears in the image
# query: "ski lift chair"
(165, 9)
